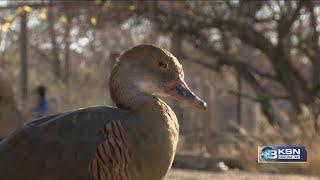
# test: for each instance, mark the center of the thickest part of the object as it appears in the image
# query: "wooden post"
(23, 56)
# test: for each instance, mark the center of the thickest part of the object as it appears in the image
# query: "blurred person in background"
(41, 104)
(38, 105)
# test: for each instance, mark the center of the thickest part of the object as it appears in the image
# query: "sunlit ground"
(178, 174)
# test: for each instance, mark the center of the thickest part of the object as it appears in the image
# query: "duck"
(10, 116)
(136, 140)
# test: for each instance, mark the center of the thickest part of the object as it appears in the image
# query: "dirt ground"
(178, 174)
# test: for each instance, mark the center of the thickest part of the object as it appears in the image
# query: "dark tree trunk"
(55, 48)
(67, 49)
(24, 57)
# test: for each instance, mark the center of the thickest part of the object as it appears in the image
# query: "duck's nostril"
(177, 90)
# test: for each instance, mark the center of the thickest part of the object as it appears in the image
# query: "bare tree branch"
(286, 21)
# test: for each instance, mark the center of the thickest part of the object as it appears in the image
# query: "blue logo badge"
(282, 154)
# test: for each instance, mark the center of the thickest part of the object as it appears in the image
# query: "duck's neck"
(155, 135)
(150, 110)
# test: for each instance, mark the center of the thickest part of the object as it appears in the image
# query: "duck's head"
(149, 70)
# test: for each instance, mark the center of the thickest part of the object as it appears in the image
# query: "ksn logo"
(282, 154)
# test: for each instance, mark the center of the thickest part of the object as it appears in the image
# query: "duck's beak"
(180, 91)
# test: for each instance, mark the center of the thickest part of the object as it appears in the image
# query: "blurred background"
(256, 63)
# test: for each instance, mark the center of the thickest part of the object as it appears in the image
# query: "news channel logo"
(282, 154)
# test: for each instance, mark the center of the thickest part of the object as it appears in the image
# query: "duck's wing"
(83, 144)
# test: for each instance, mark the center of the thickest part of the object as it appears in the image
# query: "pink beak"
(181, 92)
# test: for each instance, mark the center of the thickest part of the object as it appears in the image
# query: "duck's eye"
(163, 65)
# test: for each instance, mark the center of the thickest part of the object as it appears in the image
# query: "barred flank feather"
(112, 158)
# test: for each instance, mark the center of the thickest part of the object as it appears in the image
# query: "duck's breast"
(153, 137)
